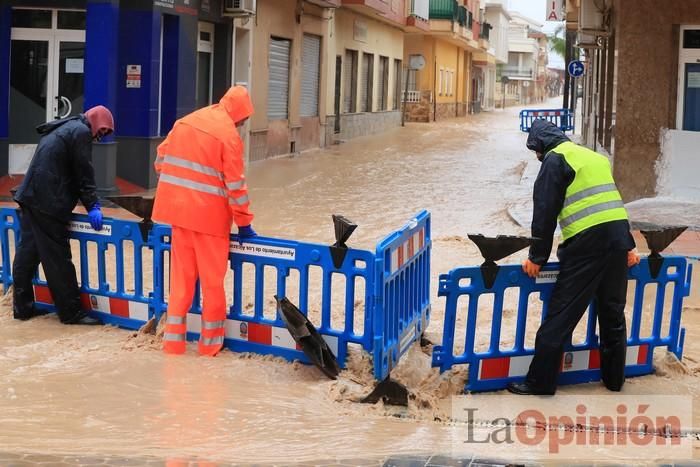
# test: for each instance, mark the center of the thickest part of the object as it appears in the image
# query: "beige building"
(446, 87)
(289, 72)
(365, 59)
(523, 54)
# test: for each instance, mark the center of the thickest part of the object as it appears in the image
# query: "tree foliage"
(557, 41)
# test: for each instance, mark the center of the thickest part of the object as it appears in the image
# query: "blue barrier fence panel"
(564, 119)
(402, 291)
(496, 366)
(117, 295)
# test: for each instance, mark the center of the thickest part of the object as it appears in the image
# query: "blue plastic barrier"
(395, 303)
(562, 118)
(111, 300)
(495, 367)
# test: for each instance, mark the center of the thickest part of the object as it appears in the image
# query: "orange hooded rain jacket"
(202, 184)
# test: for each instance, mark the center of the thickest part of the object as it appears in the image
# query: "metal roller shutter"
(366, 83)
(311, 64)
(350, 72)
(278, 85)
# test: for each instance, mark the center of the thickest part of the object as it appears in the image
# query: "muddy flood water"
(102, 391)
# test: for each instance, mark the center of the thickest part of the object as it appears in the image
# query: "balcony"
(368, 7)
(515, 72)
(326, 3)
(418, 16)
(443, 9)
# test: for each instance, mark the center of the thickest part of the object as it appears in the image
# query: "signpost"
(576, 68)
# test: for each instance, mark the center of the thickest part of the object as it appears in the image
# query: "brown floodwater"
(109, 392)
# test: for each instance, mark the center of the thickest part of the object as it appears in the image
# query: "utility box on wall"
(239, 7)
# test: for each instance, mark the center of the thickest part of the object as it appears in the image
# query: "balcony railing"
(420, 9)
(411, 97)
(516, 72)
(443, 9)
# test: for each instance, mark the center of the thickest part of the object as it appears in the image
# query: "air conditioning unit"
(239, 7)
(591, 16)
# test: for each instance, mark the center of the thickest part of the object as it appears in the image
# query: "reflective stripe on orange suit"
(201, 190)
(196, 255)
(204, 148)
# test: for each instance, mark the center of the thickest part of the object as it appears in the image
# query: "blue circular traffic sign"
(576, 68)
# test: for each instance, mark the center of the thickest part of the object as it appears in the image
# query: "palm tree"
(557, 41)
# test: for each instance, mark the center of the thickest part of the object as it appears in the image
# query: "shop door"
(46, 76)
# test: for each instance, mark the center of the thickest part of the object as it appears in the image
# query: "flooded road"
(109, 392)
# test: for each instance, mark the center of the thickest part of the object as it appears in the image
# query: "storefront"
(150, 62)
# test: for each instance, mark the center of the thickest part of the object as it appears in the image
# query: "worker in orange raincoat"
(201, 190)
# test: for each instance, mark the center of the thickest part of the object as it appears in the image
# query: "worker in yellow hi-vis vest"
(575, 186)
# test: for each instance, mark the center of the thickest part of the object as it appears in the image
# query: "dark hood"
(544, 136)
(48, 127)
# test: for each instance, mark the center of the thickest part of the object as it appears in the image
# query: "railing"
(443, 9)
(462, 16)
(518, 72)
(412, 97)
(420, 9)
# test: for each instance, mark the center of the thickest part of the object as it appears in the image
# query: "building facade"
(523, 54)
(498, 17)
(640, 94)
(150, 62)
(447, 86)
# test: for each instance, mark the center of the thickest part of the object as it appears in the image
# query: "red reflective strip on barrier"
(594, 359)
(411, 250)
(85, 302)
(399, 262)
(492, 368)
(43, 294)
(422, 238)
(642, 355)
(259, 333)
(118, 307)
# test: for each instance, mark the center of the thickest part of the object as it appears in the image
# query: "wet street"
(111, 397)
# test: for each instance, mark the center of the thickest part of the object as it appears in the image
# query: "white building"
(523, 53)
(498, 17)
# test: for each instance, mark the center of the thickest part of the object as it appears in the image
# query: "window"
(688, 104)
(441, 80)
(278, 82)
(366, 83)
(350, 85)
(205, 64)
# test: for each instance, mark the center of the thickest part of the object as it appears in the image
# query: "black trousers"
(44, 239)
(582, 278)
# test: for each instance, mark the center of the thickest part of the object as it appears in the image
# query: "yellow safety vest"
(592, 198)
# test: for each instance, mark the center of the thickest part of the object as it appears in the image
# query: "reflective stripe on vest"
(192, 185)
(235, 185)
(194, 166)
(592, 197)
(239, 201)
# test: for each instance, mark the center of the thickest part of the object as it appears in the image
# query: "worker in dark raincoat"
(575, 186)
(59, 175)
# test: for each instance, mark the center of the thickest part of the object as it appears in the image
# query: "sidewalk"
(657, 211)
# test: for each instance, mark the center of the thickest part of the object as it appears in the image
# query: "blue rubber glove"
(95, 215)
(246, 231)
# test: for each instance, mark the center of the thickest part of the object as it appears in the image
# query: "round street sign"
(576, 68)
(416, 62)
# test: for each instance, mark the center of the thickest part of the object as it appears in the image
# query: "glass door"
(69, 94)
(46, 76)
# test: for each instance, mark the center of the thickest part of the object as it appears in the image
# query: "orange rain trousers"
(194, 255)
